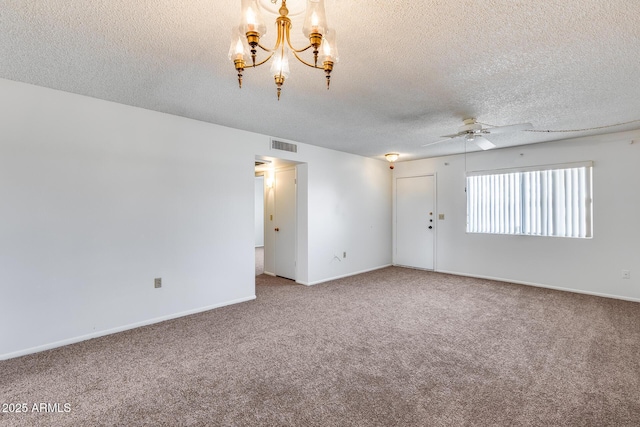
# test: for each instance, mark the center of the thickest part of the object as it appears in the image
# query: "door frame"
(394, 218)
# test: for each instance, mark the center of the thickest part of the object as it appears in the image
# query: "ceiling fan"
(474, 132)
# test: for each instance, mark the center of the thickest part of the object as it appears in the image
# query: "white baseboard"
(414, 268)
(343, 276)
(540, 285)
(98, 334)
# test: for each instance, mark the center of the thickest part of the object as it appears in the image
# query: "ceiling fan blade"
(455, 135)
(438, 142)
(483, 143)
(509, 128)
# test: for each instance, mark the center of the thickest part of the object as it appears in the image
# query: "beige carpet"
(394, 347)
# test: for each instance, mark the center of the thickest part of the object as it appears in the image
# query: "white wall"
(259, 211)
(583, 265)
(97, 199)
(349, 211)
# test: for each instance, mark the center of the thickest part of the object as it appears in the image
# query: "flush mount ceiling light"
(245, 40)
(391, 157)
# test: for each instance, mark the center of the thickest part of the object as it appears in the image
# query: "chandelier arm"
(300, 50)
(311, 45)
(266, 49)
(293, 49)
(262, 62)
(305, 62)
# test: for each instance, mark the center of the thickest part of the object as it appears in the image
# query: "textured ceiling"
(409, 71)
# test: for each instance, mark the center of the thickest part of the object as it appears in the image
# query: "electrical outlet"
(344, 254)
(626, 274)
(157, 282)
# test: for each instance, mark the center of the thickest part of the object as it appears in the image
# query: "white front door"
(415, 222)
(285, 223)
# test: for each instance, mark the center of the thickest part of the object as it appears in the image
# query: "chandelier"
(245, 41)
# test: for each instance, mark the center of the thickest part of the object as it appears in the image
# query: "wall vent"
(284, 146)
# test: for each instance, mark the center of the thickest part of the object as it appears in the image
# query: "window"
(538, 201)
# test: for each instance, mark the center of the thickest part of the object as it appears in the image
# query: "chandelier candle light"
(246, 39)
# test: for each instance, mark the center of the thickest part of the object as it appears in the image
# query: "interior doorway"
(278, 255)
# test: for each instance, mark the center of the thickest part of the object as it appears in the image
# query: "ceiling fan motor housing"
(472, 127)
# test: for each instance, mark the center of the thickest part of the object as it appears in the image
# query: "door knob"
(277, 229)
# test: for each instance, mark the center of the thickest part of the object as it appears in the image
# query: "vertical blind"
(542, 201)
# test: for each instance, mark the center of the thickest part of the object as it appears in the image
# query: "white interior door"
(415, 222)
(285, 223)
